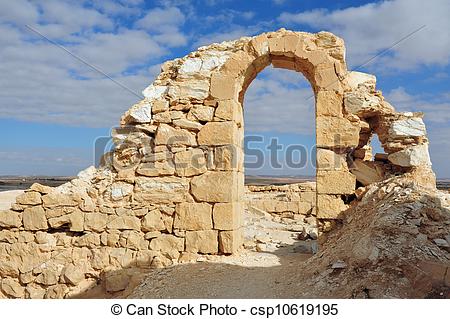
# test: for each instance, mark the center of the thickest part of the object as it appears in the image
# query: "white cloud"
(370, 28)
(165, 23)
(435, 106)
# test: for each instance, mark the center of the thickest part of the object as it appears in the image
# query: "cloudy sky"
(53, 107)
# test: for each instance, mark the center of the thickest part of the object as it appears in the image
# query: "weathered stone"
(34, 218)
(335, 182)
(229, 110)
(412, 156)
(120, 190)
(167, 135)
(156, 168)
(228, 216)
(230, 241)
(12, 288)
(407, 128)
(229, 158)
(123, 222)
(73, 274)
(90, 240)
(41, 188)
(188, 125)
(329, 103)
(202, 241)
(361, 103)
(159, 106)
(10, 219)
(336, 132)
(329, 206)
(217, 186)
(366, 172)
(218, 133)
(95, 222)
(193, 216)
(29, 198)
(202, 113)
(354, 79)
(191, 162)
(223, 87)
(328, 160)
(161, 189)
(153, 221)
(168, 245)
(58, 199)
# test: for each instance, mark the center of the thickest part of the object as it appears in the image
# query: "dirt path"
(250, 275)
(7, 198)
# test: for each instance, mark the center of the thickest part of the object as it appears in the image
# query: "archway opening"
(279, 166)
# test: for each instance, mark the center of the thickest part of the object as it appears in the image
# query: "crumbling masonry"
(174, 185)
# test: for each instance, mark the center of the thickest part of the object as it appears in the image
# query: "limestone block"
(41, 188)
(156, 168)
(335, 182)
(167, 243)
(329, 103)
(95, 222)
(90, 240)
(76, 221)
(362, 103)
(12, 288)
(58, 199)
(229, 158)
(223, 86)
(202, 241)
(366, 172)
(123, 222)
(329, 206)
(231, 241)
(187, 124)
(192, 88)
(159, 106)
(217, 187)
(73, 274)
(219, 133)
(202, 113)
(354, 79)
(230, 110)
(9, 219)
(34, 218)
(328, 160)
(336, 132)
(29, 198)
(191, 162)
(119, 190)
(161, 189)
(276, 46)
(407, 128)
(412, 156)
(228, 216)
(153, 221)
(193, 216)
(260, 44)
(325, 78)
(167, 135)
(290, 43)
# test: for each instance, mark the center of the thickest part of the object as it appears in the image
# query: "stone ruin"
(173, 187)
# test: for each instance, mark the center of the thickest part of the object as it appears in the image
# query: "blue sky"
(53, 108)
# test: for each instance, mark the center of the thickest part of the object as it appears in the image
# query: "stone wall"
(174, 183)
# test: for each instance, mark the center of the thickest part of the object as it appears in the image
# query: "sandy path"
(7, 198)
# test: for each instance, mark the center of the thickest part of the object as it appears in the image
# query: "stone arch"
(173, 185)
